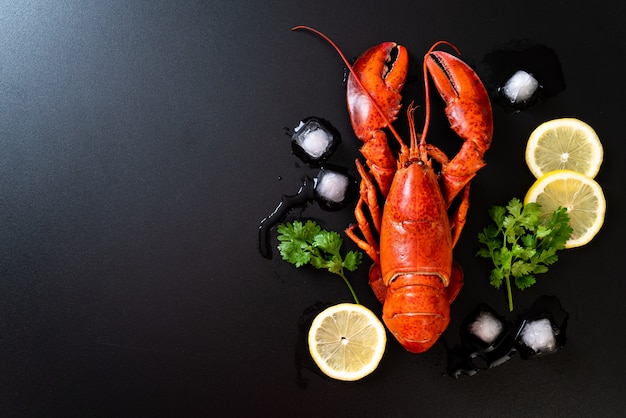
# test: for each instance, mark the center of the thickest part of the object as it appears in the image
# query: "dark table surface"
(142, 144)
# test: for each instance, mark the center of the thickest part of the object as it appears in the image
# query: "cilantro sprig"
(307, 243)
(520, 244)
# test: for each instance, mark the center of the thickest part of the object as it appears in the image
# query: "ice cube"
(314, 140)
(486, 342)
(520, 87)
(486, 327)
(541, 329)
(332, 186)
(539, 335)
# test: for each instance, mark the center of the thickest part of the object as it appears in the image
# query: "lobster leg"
(457, 221)
(376, 282)
(370, 196)
(456, 282)
(437, 154)
(367, 197)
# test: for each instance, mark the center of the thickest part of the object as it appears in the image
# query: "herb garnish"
(520, 244)
(308, 243)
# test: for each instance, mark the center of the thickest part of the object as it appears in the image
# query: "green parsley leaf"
(520, 244)
(307, 243)
(352, 260)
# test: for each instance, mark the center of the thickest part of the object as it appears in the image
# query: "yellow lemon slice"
(347, 341)
(581, 195)
(564, 144)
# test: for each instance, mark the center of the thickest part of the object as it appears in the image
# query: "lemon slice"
(347, 341)
(564, 144)
(581, 195)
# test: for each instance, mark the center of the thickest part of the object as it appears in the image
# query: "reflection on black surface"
(309, 192)
(304, 195)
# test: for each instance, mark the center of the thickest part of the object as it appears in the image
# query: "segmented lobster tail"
(417, 311)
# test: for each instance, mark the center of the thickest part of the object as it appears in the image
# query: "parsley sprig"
(307, 243)
(520, 244)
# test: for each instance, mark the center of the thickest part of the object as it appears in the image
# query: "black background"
(144, 141)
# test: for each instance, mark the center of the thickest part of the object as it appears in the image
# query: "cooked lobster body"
(409, 217)
(417, 258)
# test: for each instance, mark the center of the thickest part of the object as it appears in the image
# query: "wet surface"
(310, 192)
(143, 142)
(474, 354)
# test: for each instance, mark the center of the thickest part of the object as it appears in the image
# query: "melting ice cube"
(332, 188)
(520, 87)
(539, 335)
(542, 328)
(314, 140)
(486, 327)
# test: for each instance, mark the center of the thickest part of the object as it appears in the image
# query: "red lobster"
(413, 273)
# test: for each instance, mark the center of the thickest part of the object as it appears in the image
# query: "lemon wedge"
(564, 144)
(582, 196)
(347, 341)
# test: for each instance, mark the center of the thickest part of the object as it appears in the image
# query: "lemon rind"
(540, 184)
(539, 132)
(376, 356)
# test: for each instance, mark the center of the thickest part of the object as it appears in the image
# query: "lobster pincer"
(469, 112)
(373, 100)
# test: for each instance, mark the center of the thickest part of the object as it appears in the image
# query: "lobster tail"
(416, 310)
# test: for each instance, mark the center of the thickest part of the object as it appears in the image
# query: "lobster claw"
(383, 78)
(373, 97)
(469, 112)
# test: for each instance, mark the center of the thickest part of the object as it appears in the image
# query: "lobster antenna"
(358, 81)
(413, 149)
(427, 87)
